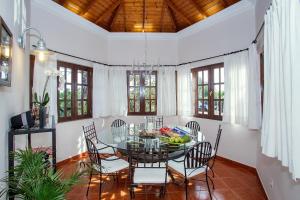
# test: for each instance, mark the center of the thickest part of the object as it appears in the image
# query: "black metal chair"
(158, 121)
(215, 150)
(195, 128)
(110, 166)
(118, 123)
(90, 133)
(196, 162)
(148, 166)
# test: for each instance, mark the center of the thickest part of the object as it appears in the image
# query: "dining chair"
(90, 133)
(110, 166)
(195, 128)
(215, 150)
(195, 162)
(118, 123)
(148, 167)
(158, 121)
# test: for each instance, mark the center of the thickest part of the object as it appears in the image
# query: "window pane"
(216, 75)
(79, 92)
(205, 78)
(200, 96)
(79, 108)
(131, 93)
(147, 80)
(131, 80)
(153, 95)
(200, 107)
(69, 92)
(69, 108)
(205, 107)
(222, 91)
(222, 107)
(79, 77)
(62, 71)
(85, 107)
(216, 92)
(137, 93)
(222, 74)
(153, 106)
(147, 106)
(131, 105)
(85, 77)
(69, 75)
(216, 107)
(85, 92)
(153, 80)
(61, 109)
(61, 94)
(206, 92)
(200, 78)
(137, 105)
(137, 80)
(147, 93)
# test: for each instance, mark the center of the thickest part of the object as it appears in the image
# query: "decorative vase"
(42, 116)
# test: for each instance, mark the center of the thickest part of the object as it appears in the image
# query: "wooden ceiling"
(147, 15)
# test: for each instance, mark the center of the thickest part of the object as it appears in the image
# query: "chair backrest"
(158, 121)
(218, 139)
(198, 155)
(141, 157)
(93, 152)
(118, 123)
(195, 128)
(90, 132)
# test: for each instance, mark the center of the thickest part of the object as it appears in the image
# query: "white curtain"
(184, 95)
(118, 91)
(41, 71)
(101, 98)
(166, 92)
(236, 88)
(280, 128)
(254, 101)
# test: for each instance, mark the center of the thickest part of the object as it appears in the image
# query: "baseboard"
(74, 158)
(246, 167)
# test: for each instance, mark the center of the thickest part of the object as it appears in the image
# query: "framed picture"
(6, 39)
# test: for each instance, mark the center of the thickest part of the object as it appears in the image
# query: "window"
(209, 81)
(142, 93)
(74, 100)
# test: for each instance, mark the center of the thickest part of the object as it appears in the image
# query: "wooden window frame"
(142, 94)
(74, 84)
(210, 84)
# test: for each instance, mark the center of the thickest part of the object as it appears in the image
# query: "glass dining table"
(121, 137)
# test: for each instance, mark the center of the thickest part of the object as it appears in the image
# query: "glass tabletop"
(121, 137)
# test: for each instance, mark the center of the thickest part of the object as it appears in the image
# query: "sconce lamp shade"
(41, 51)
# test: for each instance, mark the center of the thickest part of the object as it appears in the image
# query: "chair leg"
(213, 173)
(212, 182)
(100, 187)
(132, 191)
(87, 191)
(207, 183)
(186, 188)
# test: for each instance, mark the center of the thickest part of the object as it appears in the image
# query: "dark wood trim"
(262, 80)
(31, 70)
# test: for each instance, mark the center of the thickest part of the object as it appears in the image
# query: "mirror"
(5, 54)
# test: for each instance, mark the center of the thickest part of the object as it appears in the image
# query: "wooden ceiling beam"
(114, 17)
(124, 15)
(110, 9)
(198, 7)
(162, 15)
(176, 10)
(173, 19)
(225, 3)
(87, 7)
(61, 2)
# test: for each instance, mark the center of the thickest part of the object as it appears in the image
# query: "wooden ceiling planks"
(150, 15)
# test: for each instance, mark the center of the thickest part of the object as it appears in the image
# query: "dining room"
(149, 99)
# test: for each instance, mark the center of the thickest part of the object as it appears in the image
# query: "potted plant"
(33, 179)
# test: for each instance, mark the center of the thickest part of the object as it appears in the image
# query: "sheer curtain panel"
(185, 88)
(280, 128)
(166, 92)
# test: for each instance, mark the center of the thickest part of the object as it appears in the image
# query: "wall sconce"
(40, 49)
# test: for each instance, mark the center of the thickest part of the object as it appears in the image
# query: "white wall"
(14, 99)
(270, 169)
(124, 48)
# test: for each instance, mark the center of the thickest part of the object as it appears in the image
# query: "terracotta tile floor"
(231, 183)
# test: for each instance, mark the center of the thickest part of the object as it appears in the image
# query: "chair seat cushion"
(104, 149)
(150, 176)
(179, 168)
(111, 166)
